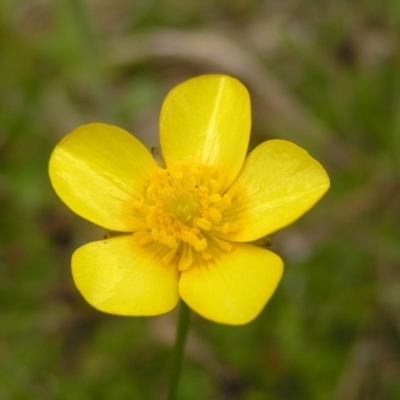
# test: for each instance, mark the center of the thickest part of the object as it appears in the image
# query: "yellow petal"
(207, 120)
(118, 276)
(234, 288)
(99, 171)
(278, 184)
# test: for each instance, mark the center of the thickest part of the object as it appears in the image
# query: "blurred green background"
(323, 74)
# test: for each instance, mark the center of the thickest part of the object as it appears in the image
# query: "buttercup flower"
(189, 229)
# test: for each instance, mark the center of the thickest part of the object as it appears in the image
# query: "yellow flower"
(187, 225)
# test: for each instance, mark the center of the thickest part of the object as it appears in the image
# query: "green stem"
(177, 355)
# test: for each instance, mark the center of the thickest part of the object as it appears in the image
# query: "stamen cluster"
(184, 211)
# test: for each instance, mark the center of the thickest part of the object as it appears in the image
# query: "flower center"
(183, 205)
(184, 211)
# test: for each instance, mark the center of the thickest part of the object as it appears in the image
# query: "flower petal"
(207, 120)
(279, 183)
(118, 276)
(234, 288)
(99, 171)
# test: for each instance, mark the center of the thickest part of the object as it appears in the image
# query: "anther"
(200, 245)
(186, 259)
(203, 223)
(224, 203)
(214, 214)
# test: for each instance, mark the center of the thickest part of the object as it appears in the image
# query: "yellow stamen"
(203, 223)
(186, 259)
(224, 203)
(181, 210)
(206, 256)
(214, 214)
(144, 238)
(223, 229)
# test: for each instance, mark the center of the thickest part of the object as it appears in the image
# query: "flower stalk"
(178, 352)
